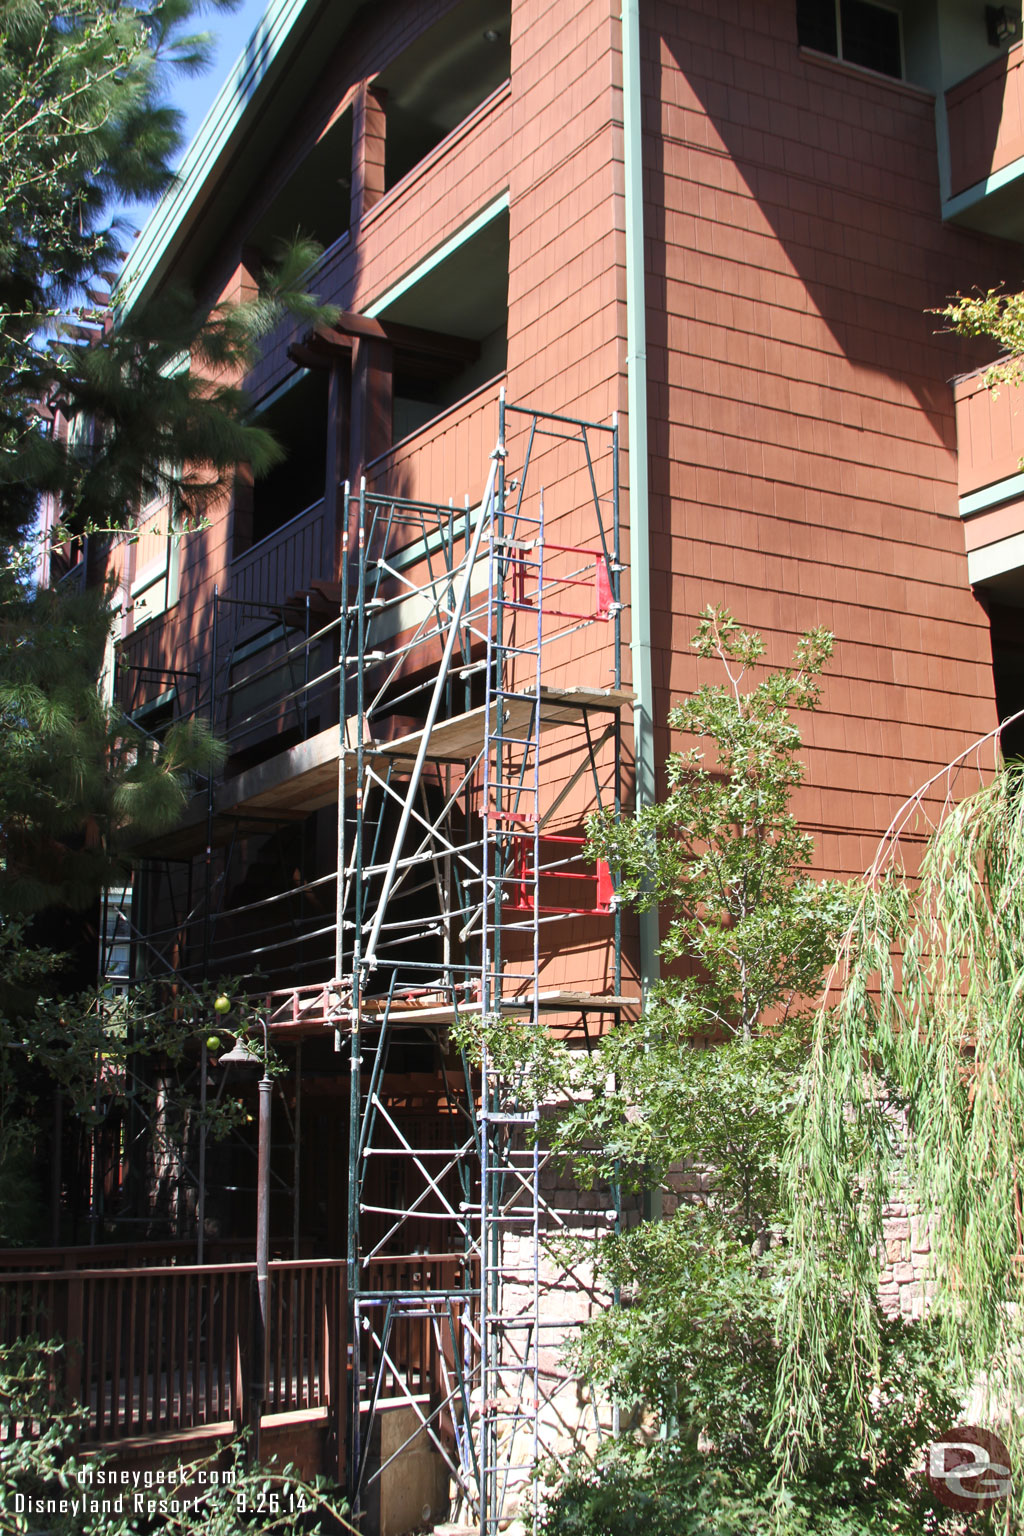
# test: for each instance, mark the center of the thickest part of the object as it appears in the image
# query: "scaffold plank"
(549, 1002)
(463, 736)
(305, 777)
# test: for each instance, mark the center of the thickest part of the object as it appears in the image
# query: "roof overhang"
(271, 79)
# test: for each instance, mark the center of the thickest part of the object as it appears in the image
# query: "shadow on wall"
(798, 214)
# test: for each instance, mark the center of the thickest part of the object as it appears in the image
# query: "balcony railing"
(155, 1350)
(989, 433)
(286, 561)
(452, 449)
(990, 444)
(985, 114)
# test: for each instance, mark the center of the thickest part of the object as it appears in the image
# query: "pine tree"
(84, 129)
(152, 396)
(150, 405)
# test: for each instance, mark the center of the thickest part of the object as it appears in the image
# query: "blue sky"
(232, 30)
(193, 96)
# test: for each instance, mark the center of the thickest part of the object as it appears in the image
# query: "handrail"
(275, 533)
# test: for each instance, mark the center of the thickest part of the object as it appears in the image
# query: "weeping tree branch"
(914, 1089)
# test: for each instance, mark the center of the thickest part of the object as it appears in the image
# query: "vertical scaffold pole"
(355, 1021)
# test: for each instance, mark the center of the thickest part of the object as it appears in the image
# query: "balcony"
(160, 1357)
(287, 560)
(162, 1353)
(990, 441)
(985, 118)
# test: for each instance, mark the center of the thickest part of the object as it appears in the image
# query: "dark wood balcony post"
(74, 1333)
(369, 110)
(372, 363)
(337, 435)
(338, 1357)
(56, 1171)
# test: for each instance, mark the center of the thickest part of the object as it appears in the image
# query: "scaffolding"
(442, 695)
(457, 811)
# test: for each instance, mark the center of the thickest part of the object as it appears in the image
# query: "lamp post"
(241, 1057)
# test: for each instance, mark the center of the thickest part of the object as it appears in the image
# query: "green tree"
(914, 1090)
(699, 1095)
(155, 408)
(84, 129)
(748, 937)
(77, 779)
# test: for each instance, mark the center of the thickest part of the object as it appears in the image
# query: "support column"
(368, 141)
(337, 432)
(372, 362)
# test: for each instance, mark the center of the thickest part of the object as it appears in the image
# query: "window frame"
(840, 57)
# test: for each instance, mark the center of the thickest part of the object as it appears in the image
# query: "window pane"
(871, 37)
(816, 24)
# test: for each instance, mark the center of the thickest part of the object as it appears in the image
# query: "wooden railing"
(286, 561)
(157, 1350)
(136, 1255)
(985, 114)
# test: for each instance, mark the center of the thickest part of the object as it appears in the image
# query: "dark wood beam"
(321, 347)
(410, 338)
(338, 429)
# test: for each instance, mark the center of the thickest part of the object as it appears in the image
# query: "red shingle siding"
(803, 469)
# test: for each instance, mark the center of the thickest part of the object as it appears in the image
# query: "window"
(438, 81)
(116, 941)
(856, 31)
(154, 586)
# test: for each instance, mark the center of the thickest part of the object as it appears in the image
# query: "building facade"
(635, 317)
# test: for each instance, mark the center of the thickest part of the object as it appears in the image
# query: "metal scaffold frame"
(462, 614)
(472, 738)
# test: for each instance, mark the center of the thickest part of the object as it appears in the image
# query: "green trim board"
(963, 201)
(416, 274)
(992, 495)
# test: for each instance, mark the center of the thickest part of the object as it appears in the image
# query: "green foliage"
(923, 1031)
(670, 1488)
(193, 1496)
(722, 853)
(748, 938)
(700, 1094)
(77, 779)
(696, 1342)
(84, 126)
(78, 782)
(100, 1054)
(1000, 317)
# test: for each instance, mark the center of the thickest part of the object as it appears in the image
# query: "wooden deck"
(158, 1354)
